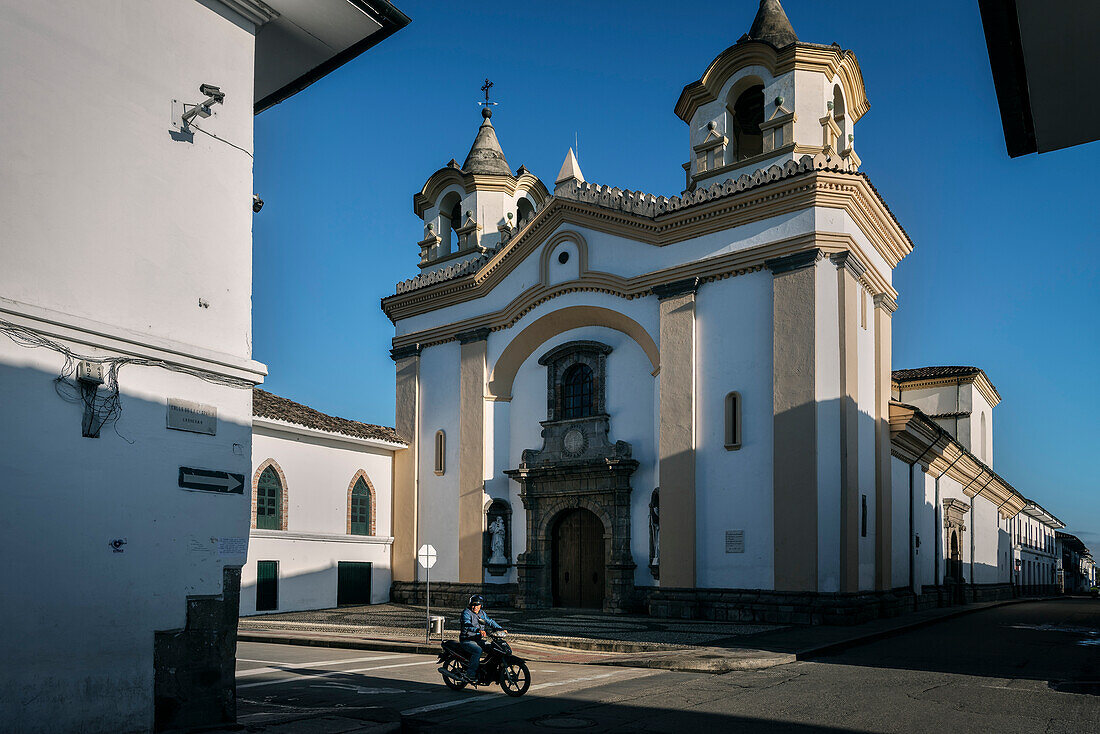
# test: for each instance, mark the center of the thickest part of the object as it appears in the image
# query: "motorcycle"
(498, 665)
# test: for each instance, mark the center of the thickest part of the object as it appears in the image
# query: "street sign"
(205, 480)
(426, 555)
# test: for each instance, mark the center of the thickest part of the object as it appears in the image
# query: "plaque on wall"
(183, 415)
(735, 541)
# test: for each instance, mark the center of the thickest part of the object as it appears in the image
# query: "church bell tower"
(768, 99)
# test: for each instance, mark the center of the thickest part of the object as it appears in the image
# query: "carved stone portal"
(577, 467)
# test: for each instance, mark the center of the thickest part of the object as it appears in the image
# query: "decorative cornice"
(474, 335)
(828, 60)
(886, 302)
(471, 182)
(676, 288)
(320, 537)
(846, 260)
(404, 352)
(711, 269)
(980, 379)
(916, 437)
(797, 261)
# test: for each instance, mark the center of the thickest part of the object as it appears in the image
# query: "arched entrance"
(578, 560)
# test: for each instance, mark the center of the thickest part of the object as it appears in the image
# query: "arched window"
(839, 116)
(450, 219)
(440, 452)
(524, 209)
(576, 392)
(746, 114)
(360, 506)
(269, 500)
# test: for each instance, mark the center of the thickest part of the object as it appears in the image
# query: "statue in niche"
(655, 528)
(496, 545)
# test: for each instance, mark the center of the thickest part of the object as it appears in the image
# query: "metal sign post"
(427, 557)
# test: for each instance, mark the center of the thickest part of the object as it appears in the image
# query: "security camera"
(214, 93)
(257, 203)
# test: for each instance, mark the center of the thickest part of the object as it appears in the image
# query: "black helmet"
(475, 600)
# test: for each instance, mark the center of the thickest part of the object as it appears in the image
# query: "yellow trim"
(470, 182)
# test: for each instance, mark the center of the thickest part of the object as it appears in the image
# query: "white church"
(625, 401)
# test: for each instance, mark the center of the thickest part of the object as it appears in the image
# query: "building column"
(885, 306)
(405, 480)
(849, 270)
(471, 454)
(794, 472)
(676, 439)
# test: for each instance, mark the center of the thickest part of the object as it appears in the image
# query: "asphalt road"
(1023, 668)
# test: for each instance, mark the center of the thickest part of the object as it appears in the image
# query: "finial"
(486, 112)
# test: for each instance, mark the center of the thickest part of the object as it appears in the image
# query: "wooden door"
(578, 561)
(352, 583)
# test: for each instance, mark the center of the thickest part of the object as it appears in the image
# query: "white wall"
(439, 395)
(827, 378)
(110, 224)
(318, 469)
(734, 488)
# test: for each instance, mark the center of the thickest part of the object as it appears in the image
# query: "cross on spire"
(486, 104)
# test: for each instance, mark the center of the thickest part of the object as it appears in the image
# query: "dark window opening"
(577, 392)
(267, 586)
(748, 114)
(863, 521)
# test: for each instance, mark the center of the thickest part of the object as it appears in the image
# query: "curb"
(841, 645)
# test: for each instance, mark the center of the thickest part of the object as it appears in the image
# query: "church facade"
(619, 400)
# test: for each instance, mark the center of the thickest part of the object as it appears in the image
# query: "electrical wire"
(193, 126)
(102, 404)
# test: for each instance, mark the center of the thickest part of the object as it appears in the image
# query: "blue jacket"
(472, 624)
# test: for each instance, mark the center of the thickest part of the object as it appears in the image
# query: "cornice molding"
(664, 291)
(790, 263)
(847, 261)
(886, 302)
(708, 270)
(914, 436)
(252, 10)
(471, 182)
(828, 60)
(980, 380)
(406, 350)
(818, 188)
(320, 537)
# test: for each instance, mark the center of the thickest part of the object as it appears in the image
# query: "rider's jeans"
(473, 648)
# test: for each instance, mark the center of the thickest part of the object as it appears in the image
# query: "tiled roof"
(929, 373)
(266, 405)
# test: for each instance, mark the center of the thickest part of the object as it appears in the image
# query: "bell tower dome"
(472, 209)
(768, 99)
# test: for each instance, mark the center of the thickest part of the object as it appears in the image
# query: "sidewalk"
(584, 636)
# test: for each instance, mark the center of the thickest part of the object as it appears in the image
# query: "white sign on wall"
(735, 541)
(183, 415)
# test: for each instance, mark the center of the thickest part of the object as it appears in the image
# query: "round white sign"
(426, 555)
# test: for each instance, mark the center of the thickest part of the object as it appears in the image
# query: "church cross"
(485, 88)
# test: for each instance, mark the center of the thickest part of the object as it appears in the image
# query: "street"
(1019, 668)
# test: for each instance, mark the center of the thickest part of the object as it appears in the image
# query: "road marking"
(297, 666)
(315, 676)
(539, 687)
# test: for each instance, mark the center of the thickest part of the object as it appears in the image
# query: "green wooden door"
(267, 585)
(352, 583)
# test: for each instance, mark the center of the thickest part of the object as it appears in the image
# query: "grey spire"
(772, 26)
(485, 156)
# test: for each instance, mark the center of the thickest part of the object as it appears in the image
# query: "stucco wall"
(439, 392)
(318, 470)
(734, 488)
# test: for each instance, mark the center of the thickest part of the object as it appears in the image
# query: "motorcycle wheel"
(515, 678)
(453, 666)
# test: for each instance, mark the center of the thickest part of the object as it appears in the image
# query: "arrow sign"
(205, 480)
(426, 556)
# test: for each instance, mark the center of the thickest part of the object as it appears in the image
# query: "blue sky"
(1004, 274)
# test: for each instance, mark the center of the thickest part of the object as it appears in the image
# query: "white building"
(321, 509)
(620, 400)
(1036, 561)
(125, 342)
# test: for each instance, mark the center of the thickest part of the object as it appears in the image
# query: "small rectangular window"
(733, 421)
(863, 520)
(440, 452)
(267, 586)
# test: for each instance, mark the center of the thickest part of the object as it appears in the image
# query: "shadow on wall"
(78, 617)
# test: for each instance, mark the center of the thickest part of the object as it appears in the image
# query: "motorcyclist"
(473, 636)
